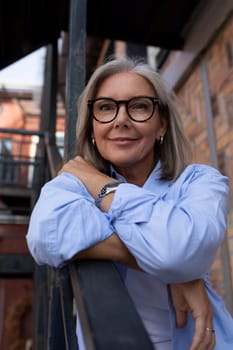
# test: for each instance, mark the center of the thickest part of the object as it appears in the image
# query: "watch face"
(103, 191)
(109, 188)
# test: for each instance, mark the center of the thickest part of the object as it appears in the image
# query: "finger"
(204, 337)
(181, 318)
(199, 333)
(208, 342)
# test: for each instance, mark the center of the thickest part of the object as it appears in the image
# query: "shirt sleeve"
(65, 221)
(174, 236)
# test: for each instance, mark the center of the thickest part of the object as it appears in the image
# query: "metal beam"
(21, 132)
(49, 97)
(16, 266)
(76, 70)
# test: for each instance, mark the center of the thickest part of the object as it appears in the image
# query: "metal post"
(61, 322)
(225, 257)
(75, 82)
(76, 70)
(48, 111)
(49, 99)
(40, 310)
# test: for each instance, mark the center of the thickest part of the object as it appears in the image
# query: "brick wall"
(219, 59)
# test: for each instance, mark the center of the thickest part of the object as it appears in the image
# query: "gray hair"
(174, 153)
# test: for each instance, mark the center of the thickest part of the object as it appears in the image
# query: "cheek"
(157, 129)
(95, 130)
(152, 134)
(99, 133)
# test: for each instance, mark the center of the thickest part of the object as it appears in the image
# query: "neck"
(136, 176)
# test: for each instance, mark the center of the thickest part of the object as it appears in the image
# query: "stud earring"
(93, 141)
(161, 140)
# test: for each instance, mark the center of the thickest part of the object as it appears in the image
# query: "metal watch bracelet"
(108, 188)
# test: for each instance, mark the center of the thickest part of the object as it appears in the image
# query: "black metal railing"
(93, 290)
(20, 165)
(19, 170)
(22, 169)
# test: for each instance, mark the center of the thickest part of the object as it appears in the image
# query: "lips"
(123, 140)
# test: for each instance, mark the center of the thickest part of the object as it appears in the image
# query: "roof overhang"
(27, 25)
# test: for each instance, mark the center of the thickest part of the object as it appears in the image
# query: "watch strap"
(108, 188)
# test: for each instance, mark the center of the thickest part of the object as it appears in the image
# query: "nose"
(122, 115)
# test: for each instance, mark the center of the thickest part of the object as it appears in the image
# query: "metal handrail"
(107, 315)
(93, 290)
(22, 132)
(53, 156)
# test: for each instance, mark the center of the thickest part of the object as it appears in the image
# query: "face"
(127, 144)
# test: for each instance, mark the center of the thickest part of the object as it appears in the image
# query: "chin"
(121, 164)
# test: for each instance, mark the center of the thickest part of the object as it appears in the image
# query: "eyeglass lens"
(138, 108)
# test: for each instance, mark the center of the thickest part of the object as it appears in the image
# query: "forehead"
(125, 83)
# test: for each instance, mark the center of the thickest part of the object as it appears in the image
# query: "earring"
(93, 141)
(161, 140)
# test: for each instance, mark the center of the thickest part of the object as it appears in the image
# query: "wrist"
(108, 188)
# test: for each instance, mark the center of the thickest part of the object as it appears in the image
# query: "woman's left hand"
(192, 297)
(87, 173)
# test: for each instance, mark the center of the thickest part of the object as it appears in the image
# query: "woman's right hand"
(85, 171)
(192, 297)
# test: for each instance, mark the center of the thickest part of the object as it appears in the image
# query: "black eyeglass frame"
(154, 100)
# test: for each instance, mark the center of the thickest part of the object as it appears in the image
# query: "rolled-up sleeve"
(64, 221)
(174, 235)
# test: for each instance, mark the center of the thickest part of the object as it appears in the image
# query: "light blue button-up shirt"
(173, 229)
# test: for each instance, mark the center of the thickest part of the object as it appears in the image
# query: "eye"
(140, 104)
(105, 106)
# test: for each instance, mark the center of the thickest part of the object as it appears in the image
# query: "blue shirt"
(173, 229)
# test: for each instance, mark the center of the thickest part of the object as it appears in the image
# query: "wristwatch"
(108, 188)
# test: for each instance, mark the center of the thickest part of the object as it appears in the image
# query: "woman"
(151, 210)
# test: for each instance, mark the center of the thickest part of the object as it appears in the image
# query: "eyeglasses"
(139, 109)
